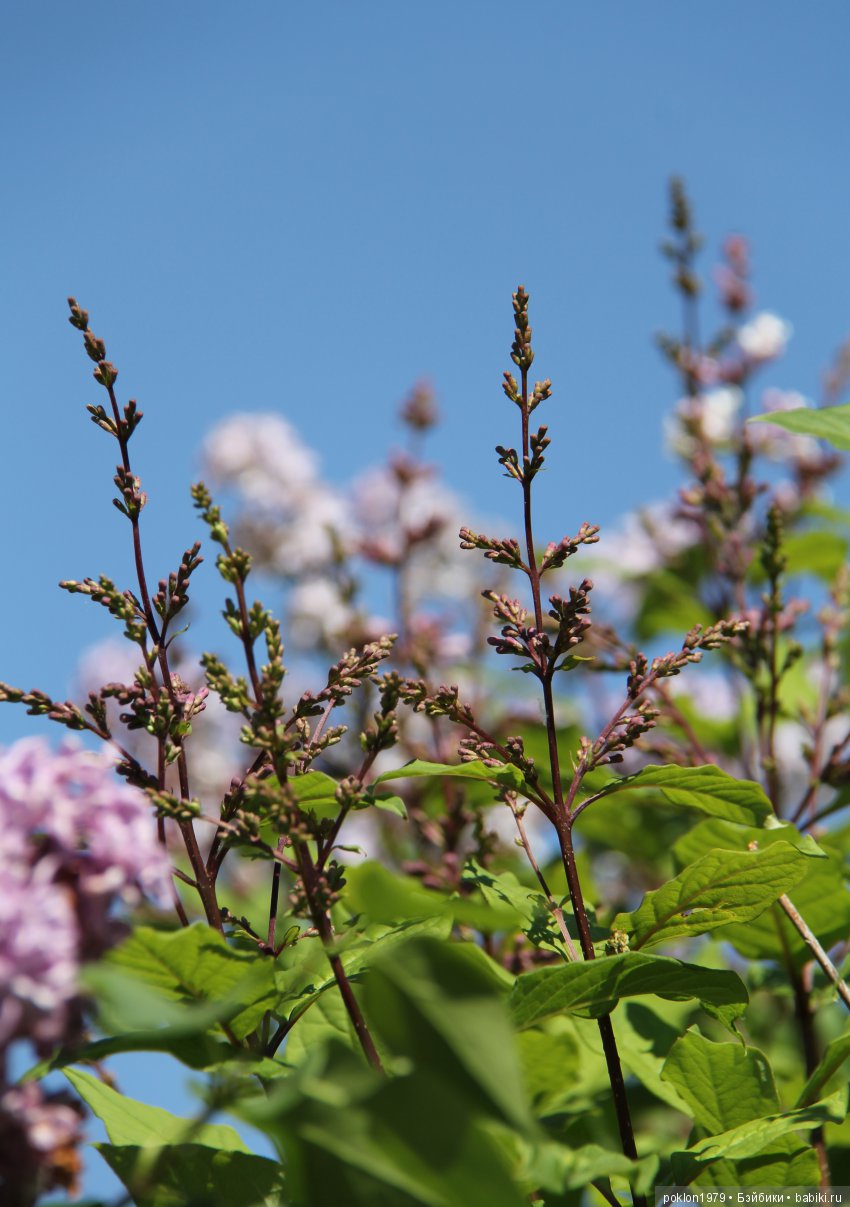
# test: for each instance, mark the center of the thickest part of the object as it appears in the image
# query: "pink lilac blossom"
(73, 839)
(39, 941)
(72, 798)
(48, 1124)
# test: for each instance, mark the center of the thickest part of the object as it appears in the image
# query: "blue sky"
(307, 207)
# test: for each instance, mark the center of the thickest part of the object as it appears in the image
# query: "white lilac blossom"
(764, 337)
(711, 417)
(642, 542)
(711, 693)
(294, 523)
(263, 457)
(318, 614)
(389, 507)
(310, 535)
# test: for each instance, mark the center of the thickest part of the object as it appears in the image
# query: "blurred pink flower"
(764, 337)
(262, 456)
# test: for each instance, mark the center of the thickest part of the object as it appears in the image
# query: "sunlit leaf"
(719, 888)
(708, 789)
(591, 988)
(504, 774)
(135, 1123)
(182, 1174)
(197, 965)
(826, 423)
(727, 1086)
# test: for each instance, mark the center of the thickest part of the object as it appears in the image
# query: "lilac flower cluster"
(73, 840)
(397, 516)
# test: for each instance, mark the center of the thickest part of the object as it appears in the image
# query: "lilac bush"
(411, 900)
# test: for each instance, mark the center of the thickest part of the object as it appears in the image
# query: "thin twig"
(557, 912)
(810, 939)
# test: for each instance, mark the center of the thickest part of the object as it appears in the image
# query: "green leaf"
(708, 835)
(708, 789)
(751, 1139)
(380, 895)
(821, 896)
(407, 1141)
(720, 887)
(138, 1018)
(303, 975)
(442, 1005)
(195, 1174)
(826, 423)
(135, 1123)
(837, 1052)
(669, 604)
(503, 890)
(820, 553)
(315, 792)
(557, 1167)
(726, 1087)
(551, 1060)
(645, 1037)
(724, 1084)
(644, 1041)
(591, 988)
(326, 1019)
(504, 774)
(387, 802)
(196, 965)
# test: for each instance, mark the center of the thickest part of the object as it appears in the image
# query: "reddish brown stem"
(206, 887)
(561, 814)
(322, 923)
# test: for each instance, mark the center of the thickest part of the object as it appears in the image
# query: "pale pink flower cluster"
(711, 417)
(764, 337)
(263, 457)
(391, 511)
(73, 839)
(299, 527)
(216, 754)
(297, 519)
(39, 1134)
(643, 541)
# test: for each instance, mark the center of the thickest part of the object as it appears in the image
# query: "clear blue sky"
(306, 207)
